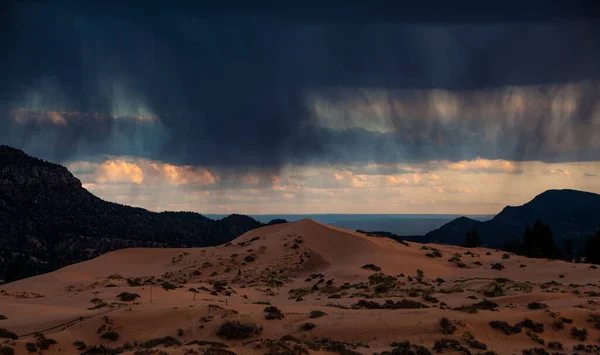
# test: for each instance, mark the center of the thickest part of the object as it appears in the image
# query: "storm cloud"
(245, 92)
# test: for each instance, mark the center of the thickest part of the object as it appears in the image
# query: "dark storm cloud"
(231, 91)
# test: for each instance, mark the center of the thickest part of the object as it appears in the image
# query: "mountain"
(570, 214)
(48, 220)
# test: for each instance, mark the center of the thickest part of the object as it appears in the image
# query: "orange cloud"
(119, 171)
(484, 165)
(182, 175)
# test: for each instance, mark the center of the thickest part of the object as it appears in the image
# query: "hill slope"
(570, 214)
(302, 285)
(49, 220)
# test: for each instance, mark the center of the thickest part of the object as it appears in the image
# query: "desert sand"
(302, 267)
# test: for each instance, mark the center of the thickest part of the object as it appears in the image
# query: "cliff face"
(48, 220)
(20, 171)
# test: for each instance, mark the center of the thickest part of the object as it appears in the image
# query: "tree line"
(538, 242)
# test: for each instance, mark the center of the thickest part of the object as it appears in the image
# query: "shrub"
(179, 332)
(307, 326)
(165, 341)
(535, 337)
(42, 342)
(381, 278)
(127, 297)
(470, 340)
(555, 345)
(249, 258)
(496, 291)
(2, 317)
(237, 330)
(316, 314)
(537, 327)
(7, 334)
(404, 348)
(505, 327)
(581, 334)
(110, 335)
(505, 256)
(449, 344)
(430, 298)
(80, 345)
(446, 326)
(371, 267)
(272, 312)
(481, 305)
(594, 318)
(535, 351)
(403, 304)
(537, 305)
(32, 348)
(497, 266)
(168, 286)
(558, 325)
(7, 350)
(420, 275)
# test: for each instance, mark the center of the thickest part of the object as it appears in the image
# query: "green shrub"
(32, 348)
(537, 305)
(581, 334)
(168, 286)
(80, 345)
(7, 334)
(236, 330)
(535, 351)
(505, 327)
(430, 298)
(42, 342)
(449, 344)
(537, 327)
(469, 338)
(403, 304)
(372, 267)
(272, 312)
(555, 345)
(165, 341)
(127, 296)
(496, 291)
(307, 326)
(110, 335)
(316, 314)
(447, 326)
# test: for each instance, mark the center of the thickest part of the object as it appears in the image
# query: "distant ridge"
(570, 214)
(48, 220)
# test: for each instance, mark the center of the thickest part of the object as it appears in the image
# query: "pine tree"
(538, 241)
(472, 239)
(592, 249)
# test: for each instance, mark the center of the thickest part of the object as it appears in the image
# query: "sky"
(264, 113)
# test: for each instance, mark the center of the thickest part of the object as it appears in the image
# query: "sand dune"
(300, 267)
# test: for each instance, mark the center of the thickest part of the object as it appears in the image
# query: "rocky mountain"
(570, 214)
(48, 220)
